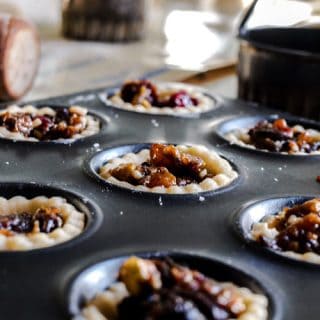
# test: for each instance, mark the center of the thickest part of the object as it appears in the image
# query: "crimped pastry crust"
(241, 138)
(93, 124)
(205, 102)
(262, 229)
(219, 167)
(105, 303)
(74, 222)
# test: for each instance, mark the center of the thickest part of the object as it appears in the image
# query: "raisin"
(62, 114)
(17, 222)
(136, 92)
(49, 219)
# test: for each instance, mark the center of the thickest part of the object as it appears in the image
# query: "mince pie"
(47, 124)
(278, 136)
(170, 169)
(171, 98)
(293, 231)
(158, 289)
(36, 223)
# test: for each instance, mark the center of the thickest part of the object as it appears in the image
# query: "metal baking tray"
(202, 231)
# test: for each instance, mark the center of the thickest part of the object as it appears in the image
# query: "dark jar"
(104, 20)
(280, 68)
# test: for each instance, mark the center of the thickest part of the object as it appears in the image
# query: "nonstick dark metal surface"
(33, 285)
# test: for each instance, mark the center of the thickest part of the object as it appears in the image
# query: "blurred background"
(180, 38)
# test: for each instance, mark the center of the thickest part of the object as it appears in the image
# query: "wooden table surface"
(202, 50)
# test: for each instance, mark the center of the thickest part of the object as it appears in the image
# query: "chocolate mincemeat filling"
(299, 228)
(63, 125)
(167, 167)
(277, 136)
(48, 220)
(146, 93)
(185, 294)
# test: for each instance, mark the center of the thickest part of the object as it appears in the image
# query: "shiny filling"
(278, 136)
(166, 167)
(64, 124)
(160, 289)
(43, 220)
(145, 93)
(298, 229)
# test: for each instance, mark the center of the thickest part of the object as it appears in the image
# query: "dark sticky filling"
(48, 220)
(167, 167)
(277, 136)
(146, 93)
(183, 294)
(301, 236)
(63, 125)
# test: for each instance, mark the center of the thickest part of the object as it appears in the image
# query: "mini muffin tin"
(198, 230)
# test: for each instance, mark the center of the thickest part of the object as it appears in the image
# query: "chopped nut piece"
(139, 274)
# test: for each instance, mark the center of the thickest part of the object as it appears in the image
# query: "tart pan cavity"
(95, 278)
(25, 197)
(93, 164)
(207, 102)
(97, 125)
(226, 130)
(242, 222)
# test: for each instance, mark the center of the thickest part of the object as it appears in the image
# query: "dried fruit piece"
(48, 219)
(139, 92)
(167, 167)
(295, 229)
(181, 99)
(277, 136)
(145, 93)
(63, 123)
